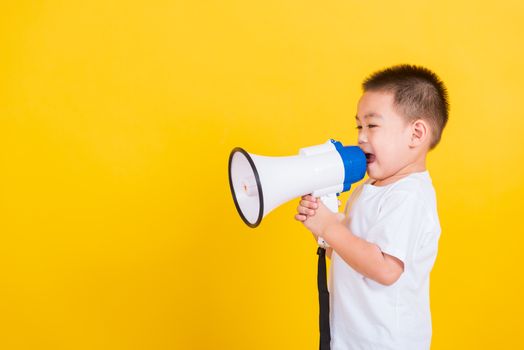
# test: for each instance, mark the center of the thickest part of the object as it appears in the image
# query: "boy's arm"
(363, 256)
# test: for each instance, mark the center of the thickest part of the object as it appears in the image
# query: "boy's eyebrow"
(370, 115)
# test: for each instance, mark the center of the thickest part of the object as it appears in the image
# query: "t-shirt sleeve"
(399, 224)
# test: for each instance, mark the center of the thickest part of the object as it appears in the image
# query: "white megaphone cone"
(259, 183)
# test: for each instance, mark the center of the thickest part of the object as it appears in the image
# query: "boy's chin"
(371, 172)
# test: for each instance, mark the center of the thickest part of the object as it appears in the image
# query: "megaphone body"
(260, 183)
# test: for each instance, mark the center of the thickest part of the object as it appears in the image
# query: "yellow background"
(117, 227)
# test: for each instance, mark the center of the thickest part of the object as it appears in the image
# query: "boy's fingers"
(311, 198)
(305, 211)
(300, 217)
(308, 204)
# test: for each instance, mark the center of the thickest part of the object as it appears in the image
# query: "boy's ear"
(419, 132)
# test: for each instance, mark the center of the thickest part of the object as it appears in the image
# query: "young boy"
(383, 250)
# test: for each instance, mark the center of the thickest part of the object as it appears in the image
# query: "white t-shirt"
(401, 218)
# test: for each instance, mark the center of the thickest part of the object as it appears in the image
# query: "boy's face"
(384, 135)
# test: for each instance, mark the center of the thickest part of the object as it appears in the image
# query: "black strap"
(323, 301)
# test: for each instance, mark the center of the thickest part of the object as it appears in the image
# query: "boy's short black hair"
(418, 94)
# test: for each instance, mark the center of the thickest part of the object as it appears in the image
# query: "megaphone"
(259, 184)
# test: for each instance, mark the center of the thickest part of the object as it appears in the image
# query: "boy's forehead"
(375, 104)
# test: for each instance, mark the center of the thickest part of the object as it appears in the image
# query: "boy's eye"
(370, 126)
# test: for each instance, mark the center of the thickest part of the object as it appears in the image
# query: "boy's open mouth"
(370, 157)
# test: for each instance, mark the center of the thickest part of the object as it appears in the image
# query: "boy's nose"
(362, 138)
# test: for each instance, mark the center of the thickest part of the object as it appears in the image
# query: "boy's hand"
(315, 215)
(306, 207)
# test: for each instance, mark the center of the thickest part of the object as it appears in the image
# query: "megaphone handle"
(330, 201)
